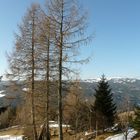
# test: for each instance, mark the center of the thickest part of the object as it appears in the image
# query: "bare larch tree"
(23, 60)
(69, 25)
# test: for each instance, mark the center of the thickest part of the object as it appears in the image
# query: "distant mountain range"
(122, 89)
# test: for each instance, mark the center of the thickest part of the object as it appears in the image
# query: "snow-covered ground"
(25, 89)
(1, 93)
(131, 134)
(9, 137)
(56, 126)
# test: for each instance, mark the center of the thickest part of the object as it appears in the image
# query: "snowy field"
(9, 137)
(131, 134)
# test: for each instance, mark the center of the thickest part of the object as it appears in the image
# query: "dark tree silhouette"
(104, 106)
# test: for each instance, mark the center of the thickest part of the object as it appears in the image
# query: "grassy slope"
(12, 131)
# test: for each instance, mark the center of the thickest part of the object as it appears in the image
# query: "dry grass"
(67, 136)
(15, 131)
(104, 136)
(12, 131)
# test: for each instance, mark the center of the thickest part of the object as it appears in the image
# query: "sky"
(115, 48)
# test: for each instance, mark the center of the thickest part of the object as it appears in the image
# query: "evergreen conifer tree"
(105, 108)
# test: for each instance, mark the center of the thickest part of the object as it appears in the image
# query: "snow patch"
(9, 137)
(2, 95)
(131, 134)
(1, 91)
(114, 79)
(123, 80)
(89, 133)
(25, 89)
(91, 80)
(56, 126)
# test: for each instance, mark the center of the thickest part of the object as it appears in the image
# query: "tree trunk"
(48, 85)
(96, 126)
(90, 121)
(33, 83)
(126, 133)
(60, 79)
(125, 137)
(60, 97)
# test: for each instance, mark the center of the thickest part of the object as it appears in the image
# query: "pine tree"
(104, 107)
(136, 122)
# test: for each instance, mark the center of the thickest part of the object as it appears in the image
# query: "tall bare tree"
(23, 60)
(45, 41)
(47, 65)
(73, 106)
(69, 24)
(124, 118)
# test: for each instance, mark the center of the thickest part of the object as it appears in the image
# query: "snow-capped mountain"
(114, 80)
(122, 88)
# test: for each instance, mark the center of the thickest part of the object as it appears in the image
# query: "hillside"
(122, 88)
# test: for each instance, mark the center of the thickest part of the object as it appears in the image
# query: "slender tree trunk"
(125, 135)
(48, 85)
(96, 128)
(76, 124)
(96, 124)
(60, 97)
(90, 121)
(33, 82)
(60, 79)
(45, 132)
